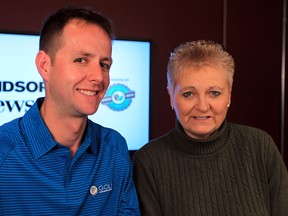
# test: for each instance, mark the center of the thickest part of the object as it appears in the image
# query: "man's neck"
(68, 131)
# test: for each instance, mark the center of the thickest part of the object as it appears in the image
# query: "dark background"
(251, 31)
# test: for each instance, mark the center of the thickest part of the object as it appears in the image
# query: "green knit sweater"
(238, 171)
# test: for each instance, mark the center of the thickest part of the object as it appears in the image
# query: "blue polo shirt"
(39, 177)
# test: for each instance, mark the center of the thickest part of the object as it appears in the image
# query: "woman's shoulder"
(157, 145)
(250, 135)
(247, 130)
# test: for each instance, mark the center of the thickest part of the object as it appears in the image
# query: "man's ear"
(43, 64)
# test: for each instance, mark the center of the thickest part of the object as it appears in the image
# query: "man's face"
(79, 74)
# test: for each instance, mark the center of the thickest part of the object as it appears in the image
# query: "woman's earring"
(228, 105)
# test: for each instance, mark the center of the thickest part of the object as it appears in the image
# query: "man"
(53, 160)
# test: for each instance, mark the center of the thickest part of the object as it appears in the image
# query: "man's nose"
(96, 74)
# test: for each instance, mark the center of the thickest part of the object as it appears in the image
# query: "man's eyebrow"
(87, 54)
(107, 59)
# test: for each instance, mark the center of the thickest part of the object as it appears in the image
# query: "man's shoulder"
(10, 136)
(106, 133)
(10, 130)
(109, 138)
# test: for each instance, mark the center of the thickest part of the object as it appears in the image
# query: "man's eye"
(105, 66)
(80, 60)
(187, 94)
(215, 93)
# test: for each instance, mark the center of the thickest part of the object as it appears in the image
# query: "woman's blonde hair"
(198, 54)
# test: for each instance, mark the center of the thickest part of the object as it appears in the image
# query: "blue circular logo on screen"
(118, 97)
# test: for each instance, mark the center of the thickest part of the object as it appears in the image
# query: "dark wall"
(253, 38)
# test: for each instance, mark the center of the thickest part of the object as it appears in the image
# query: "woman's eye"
(80, 60)
(215, 93)
(187, 94)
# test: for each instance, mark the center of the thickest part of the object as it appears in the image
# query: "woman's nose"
(202, 104)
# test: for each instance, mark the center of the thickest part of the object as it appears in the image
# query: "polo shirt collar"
(38, 137)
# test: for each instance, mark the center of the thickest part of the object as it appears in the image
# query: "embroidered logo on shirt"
(104, 187)
(94, 190)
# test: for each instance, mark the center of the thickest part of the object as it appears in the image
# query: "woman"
(206, 165)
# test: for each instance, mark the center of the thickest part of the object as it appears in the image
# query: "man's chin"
(91, 112)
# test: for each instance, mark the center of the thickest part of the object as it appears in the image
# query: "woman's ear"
(171, 97)
(230, 96)
(43, 64)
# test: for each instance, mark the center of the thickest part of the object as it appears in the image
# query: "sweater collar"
(201, 147)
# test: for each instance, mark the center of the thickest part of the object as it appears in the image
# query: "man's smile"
(87, 92)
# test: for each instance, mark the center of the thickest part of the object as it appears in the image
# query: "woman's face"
(200, 98)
